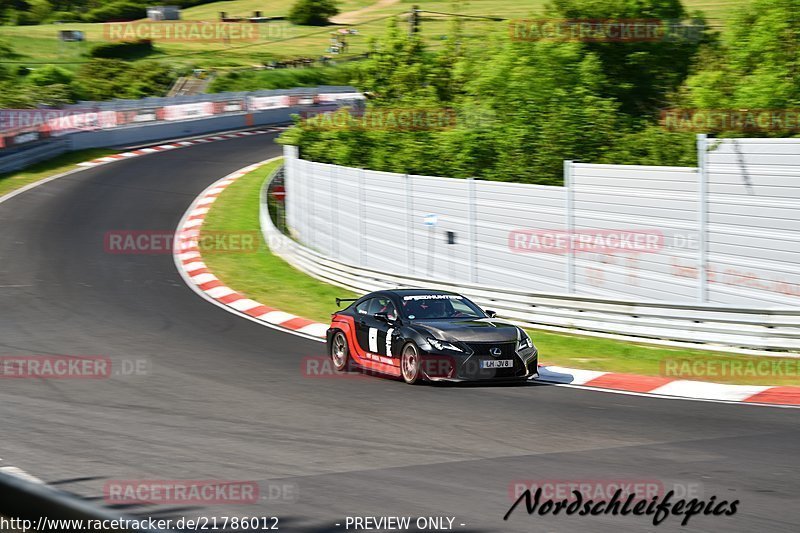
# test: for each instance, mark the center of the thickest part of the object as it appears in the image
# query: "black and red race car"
(429, 335)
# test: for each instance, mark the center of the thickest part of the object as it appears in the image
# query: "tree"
(120, 10)
(645, 72)
(398, 67)
(757, 64)
(526, 108)
(40, 10)
(313, 12)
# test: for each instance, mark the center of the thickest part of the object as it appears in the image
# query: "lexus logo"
(497, 352)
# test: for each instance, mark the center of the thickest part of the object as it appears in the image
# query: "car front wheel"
(410, 364)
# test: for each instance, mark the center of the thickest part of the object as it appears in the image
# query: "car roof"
(416, 292)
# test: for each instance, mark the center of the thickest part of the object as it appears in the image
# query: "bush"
(16, 95)
(102, 79)
(65, 16)
(313, 12)
(253, 80)
(6, 50)
(122, 49)
(125, 10)
(50, 75)
(27, 13)
(23, 18)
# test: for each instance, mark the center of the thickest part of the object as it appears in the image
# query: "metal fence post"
(310, 222)
(569, 185)
(702, 212)
(409, 225)
(287, 180)
(362, 217)
(473, 230)
(334, 175)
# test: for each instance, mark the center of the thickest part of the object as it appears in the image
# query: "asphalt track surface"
(225, 398)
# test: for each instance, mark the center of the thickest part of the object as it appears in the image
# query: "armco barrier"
(41, 152)
(31, 135)
(158, 131)
(711, 327)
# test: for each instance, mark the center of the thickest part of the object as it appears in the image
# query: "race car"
(428, 335)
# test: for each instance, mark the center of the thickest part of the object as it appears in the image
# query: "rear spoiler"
(340, 300)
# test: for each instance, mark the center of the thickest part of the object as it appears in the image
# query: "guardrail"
(28, 136)
(27, 500)
(705, 326)
(26, 126)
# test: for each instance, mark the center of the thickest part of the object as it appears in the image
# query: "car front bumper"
(468, 369)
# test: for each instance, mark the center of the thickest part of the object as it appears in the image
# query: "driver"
(430, 308)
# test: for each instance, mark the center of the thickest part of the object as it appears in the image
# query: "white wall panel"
(754, 221)
(377, 220)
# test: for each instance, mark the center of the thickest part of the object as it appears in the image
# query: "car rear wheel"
(410, 364)
(340, 351)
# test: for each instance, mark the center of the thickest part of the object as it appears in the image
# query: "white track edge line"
(663, 396)
(15, 192)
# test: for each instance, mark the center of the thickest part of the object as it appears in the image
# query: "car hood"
(478, 330)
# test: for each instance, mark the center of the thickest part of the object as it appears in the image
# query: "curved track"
(225, 398)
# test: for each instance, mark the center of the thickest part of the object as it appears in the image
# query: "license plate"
(504, 363)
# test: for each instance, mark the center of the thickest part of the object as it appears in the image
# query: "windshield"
(439, 306)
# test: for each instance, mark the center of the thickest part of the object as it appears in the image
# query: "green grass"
(253, 80)
(245, 8)
(280, 39)
(69, 161)
(261, 275)
(268, 279)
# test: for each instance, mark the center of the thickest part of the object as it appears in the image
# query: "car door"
(375, 335)
(363, 323)
(384, 331)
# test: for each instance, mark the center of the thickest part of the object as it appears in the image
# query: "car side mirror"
(491, 314)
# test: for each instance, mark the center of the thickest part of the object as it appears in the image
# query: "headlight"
(443, 345)
(524, 342)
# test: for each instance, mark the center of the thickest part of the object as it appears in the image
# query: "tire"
(340, 352)
(410, 366)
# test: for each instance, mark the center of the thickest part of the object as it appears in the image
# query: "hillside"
(279, 39)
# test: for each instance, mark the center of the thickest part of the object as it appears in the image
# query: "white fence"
(754, 221)
(711, 327)
(735, 218)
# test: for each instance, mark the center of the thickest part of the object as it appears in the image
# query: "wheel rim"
(339, 351)
(410, 363)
